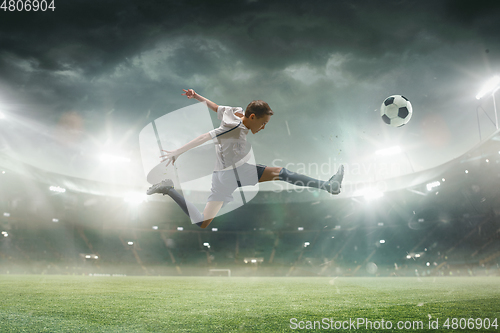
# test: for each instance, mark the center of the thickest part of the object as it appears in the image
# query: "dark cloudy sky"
(90, 75)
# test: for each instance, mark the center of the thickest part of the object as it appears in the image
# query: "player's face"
(259, 124)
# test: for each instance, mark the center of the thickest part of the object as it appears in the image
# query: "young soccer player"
(231, 169)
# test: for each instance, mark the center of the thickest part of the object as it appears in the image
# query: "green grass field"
(40, 303)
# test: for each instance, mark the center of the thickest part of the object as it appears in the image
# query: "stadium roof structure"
(476, 170)
(464, 190)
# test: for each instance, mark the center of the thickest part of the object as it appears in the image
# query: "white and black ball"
(396, 110)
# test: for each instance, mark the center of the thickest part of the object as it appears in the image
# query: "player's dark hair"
(259, 108)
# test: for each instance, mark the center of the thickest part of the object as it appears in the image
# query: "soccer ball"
(396, 110)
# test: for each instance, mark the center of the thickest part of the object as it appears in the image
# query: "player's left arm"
(190, 93)
(171, 156)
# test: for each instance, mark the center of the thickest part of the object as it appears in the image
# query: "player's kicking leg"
(210, 212)
(333, 185)
(166, 187)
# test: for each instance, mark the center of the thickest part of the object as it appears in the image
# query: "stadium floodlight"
(253, 260)
(389, 151)
(91, 256)
(432, 185)
(107, 158)
(369, 193)
(489, 86)
(135, 198)
(57, 189)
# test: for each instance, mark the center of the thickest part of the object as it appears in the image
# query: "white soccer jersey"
(230, 139)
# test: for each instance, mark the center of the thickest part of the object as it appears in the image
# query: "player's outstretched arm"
(172, 155)
(190, 93)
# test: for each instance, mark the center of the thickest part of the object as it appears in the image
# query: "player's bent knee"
(205, 223)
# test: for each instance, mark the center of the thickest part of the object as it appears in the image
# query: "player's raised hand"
(170, 156)
(190, 93)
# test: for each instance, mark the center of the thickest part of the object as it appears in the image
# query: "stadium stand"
(451, 230)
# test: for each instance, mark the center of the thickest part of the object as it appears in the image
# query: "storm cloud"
(99, 71)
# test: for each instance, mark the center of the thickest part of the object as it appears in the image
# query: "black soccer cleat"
(335, 183)
(162, 187)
